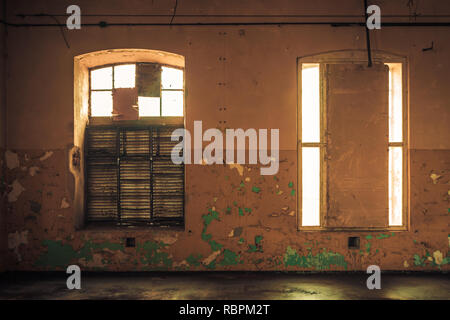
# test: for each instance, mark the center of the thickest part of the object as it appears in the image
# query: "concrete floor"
(236, 286)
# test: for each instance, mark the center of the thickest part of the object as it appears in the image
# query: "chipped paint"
(257, 247)
(166, 238)
(64, 204)
(152, 255)
(320, 261)
(60, 255)
(16, 191)
(438, 257)
(12, 160)
(435, 177)
(229, 258)
(47, 155)
(238, 167)
(15, 240)
(215, 246)
(208, 260)
(226, 245)
(256, 189)
(236, 232)
(194, 260)
(33, 170)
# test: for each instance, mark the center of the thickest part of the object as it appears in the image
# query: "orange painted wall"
(260, 92)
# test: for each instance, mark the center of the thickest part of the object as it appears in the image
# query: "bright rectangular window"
(172, 92)
(149, 106)
(310, 103)
(334, 179)
(101, 103)
(125, 76)
(311, 186)
(159, 91)
(395, 145)
(310, 145)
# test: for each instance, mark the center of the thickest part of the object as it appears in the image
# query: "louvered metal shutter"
(131, 177)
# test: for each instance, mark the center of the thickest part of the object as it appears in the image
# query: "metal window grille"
(131, 178)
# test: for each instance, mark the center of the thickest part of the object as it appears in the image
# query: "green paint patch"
(320, 261)
(61, 255)
(418, 261)
(368, 246)
(435, 260)
(57, 255)
(383, 236)
(215, 246)
(241, 241)
(257, 247)
(291, 185)
(208, 218)
(241, 212)
(194, 260)
(211, 265)
(151, 254)
(206, 236)
(248, 210)
(369, 237)
(256, 189)
(228, 210)
(229, 258)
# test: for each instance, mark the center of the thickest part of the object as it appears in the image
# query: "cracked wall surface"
(236, 219)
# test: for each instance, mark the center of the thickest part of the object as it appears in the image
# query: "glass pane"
(172, 103)
(395, 103)
(149, 106)
(310, 103)
(101, 79)
(310, 186)
(172, 78)
(395, 186)
(125, 76)
(101, 103)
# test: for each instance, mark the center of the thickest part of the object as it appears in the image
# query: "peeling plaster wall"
(235, 218)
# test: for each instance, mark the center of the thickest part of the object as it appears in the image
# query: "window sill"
(160, 121)
(141, 228)
(324, 229)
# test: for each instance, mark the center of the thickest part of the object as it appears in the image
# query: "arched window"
(127, 103)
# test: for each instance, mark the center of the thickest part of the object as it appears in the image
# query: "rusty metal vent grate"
(131, 178)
